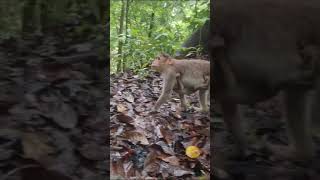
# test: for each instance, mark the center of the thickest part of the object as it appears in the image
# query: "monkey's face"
(161, 62)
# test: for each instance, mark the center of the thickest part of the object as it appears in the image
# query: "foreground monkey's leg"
(168, 84)
(298, 122)
(231, 116)
(315, 107)
(203, 100)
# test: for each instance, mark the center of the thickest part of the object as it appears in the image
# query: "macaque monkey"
(184, 77)
(235, 86)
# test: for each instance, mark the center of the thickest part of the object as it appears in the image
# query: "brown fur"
(183, 76)
(260, 49)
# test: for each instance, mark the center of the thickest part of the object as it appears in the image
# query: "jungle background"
(140, 30)
(145, 145)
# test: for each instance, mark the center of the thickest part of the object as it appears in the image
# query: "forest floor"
(264, 127)
(152, 145)
(52, 110)
(144, 144)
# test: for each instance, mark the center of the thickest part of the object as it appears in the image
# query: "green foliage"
(172, 23)
(14, 15)
(10, 23)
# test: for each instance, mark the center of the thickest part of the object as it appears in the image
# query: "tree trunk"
(3, 12)
(44, 16)
(120, 33)
(196, 13)
(196, 9)
(29, 17)
(104, 11)
(124, 61)
(151, 25)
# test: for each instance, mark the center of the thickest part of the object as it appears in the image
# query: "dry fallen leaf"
(93, 151)
(61, 113)
(116, 168)
(182, 172)
(128, 169)
(163, 147)
(168, 135)
(125, 118)
(167, 130)
(136, 137)
(158, 131)
(121, 108)
(129, 97)
(173, 160)
(151, 158)
(35, 146)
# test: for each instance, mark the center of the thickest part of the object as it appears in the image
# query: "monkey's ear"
(169, 61)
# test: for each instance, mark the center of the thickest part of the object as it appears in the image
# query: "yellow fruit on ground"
(193, 151)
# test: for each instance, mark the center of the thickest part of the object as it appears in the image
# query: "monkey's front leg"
(169, 82)
(162, 99)
(231, 116)
(315, 114)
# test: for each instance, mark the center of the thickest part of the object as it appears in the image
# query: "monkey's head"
(161, 62)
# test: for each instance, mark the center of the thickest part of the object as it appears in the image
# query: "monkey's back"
(194, 65)
(194, 72)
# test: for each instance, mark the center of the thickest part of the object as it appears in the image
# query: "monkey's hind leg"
(203, 101)
(298, 121)
(232, 118)
(180, 85)
(184, 105)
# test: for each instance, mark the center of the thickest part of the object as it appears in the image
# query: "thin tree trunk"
(124, 61)
(120, 33)
(29, 19)
(37, 16)
(44, 16)
(3, 12)
(196, 14)
(103, 11)
(151, 25)
(196, 9)
(127, 19)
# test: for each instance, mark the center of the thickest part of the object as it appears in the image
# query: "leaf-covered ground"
(152, 145)
(53, 122)
(264, 127)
